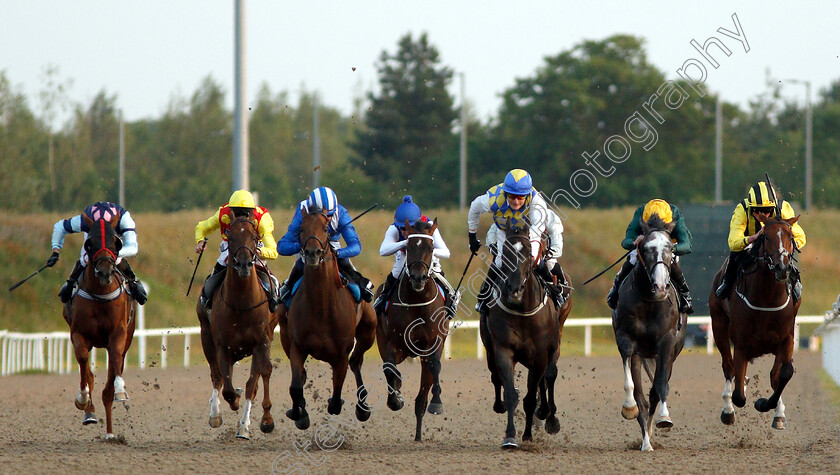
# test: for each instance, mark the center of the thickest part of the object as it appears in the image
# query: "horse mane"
(656, 223)
(422, 225)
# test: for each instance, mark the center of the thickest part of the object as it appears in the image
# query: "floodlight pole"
(240, 117)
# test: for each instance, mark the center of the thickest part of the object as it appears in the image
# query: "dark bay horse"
(102, 316)
(415, 325)
(239, 325)
(524, 326)
(649, 329)
(324, 322)
(758, 318)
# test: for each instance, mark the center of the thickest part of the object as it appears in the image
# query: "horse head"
(419, 248)
(243, 240)
(103, 246)
(516, 260)
(776, 245)
(314, 236)
(655, 253)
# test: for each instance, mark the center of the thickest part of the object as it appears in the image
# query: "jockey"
(126, 230)
(681, 236)
(743, 231)
(394, 244)
(339, 226)
(240, 204)
(517, 200)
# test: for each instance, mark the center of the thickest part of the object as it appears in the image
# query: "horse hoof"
(334, 408)
(266, 428)
(509, 443)
(527, 438)
(779, 423)
(727, 418)
(541, 413)
(302, 423)
(435, 408)
(395, 402)
(647, 448)
(498, 407)
(109, 437)
(664, 423)
(552, 425)
(761, 405)
(90, 418)
(630, 412)
(739, 401)
(121, 397)
(243, 433)
(291, 414)
(362, 412)
(79, 405)
(216, 422)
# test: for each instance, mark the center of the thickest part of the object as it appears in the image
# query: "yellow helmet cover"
(242, 199)
(660, 207)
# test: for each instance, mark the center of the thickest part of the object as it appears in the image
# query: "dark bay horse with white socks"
(758, 318)
(239, 325)
(325, 322)
(649, 329)
(524, 326)
(102, 316)
(415, 325)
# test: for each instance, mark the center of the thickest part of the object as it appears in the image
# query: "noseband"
(419, 261)
(251, 251)
(641, 258)
(766, 256)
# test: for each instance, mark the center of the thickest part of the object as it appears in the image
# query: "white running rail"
(52, 352)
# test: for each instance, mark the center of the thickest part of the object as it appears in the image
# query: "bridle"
(425, 264)
(323, 246)
(254, 256)
(640, 255)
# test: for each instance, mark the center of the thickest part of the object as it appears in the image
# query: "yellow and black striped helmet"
(762, 196)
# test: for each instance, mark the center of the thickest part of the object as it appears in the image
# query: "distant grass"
(167, 259)
(830, 387)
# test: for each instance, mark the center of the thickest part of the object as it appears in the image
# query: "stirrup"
(283, 291)
(66, 291)
(138, 291)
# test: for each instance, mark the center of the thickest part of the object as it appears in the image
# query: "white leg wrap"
(119, 385)
(663, 410)
(246, 415)
(214, 403)
(646, 447)
(728, 389)
(629, 401)
(83, 397)
(780, 408)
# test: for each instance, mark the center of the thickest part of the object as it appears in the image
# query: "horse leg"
(339, 373)
(740, 365)
(629, 408)
(230, 394)
(504, 365)
(484, 333)
(426, 381)
(664, 364)
(244, 429)
(436, 406)
(720, 331)
(393, 377)
(365, 336)
(779, 376)
(83, 400)
(208, 346)
(641, 401)
(115, 380)
(265, 368)
(298, 411)
(535, 375)
(552, 424)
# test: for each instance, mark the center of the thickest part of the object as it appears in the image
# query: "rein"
(528, 275)
(400, 302)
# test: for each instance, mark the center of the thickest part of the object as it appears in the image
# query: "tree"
(408, 127)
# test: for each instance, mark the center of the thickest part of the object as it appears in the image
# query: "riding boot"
(135, 287)
(211, 284)
(612, 297)
(67, 289)
(271, 293)
(365, 286)
(385, 296)
(795, 284)
(678, 278)
(486, 291)
(557, 271)
(722, 292)
(547, 277)
(294, 275)
(451, 296)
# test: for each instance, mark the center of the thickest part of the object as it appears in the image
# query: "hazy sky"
(147, 52)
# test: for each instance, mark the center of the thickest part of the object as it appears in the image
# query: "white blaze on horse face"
(658, 244)
(728, 389)
(214, 403)
(629, 401)
(518, 247)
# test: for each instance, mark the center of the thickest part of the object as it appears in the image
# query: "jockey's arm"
(737, 225)
(206, 227)
(441, 250)
(269, 246)
(129, 236)
(681, 234)
(390, 244)
(477, 207)
(634, 230)
(538, 215)
(63, 228)
(555, 233)
(289, 244)
(798, 232)
(353, 246)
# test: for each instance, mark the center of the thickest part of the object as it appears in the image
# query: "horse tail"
(650, 367)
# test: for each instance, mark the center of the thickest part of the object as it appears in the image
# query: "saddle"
(353, 287)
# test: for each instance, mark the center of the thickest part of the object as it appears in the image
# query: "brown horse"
(523, 326)
(324, 321)
(758, 317)
(649, 329)
(101, 316)
(239, 325)
(415, 325)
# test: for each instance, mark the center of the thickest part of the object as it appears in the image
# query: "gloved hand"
(475, 244)
(51, 261)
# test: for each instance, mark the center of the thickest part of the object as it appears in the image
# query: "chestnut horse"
(325, 322)
(239, 325)
(649, 329)
(758, 317)
(524, 326)
(101, 316)
(415, 325)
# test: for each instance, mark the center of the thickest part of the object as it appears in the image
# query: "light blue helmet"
(407, 211)
(518, 182)
(323, 198)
